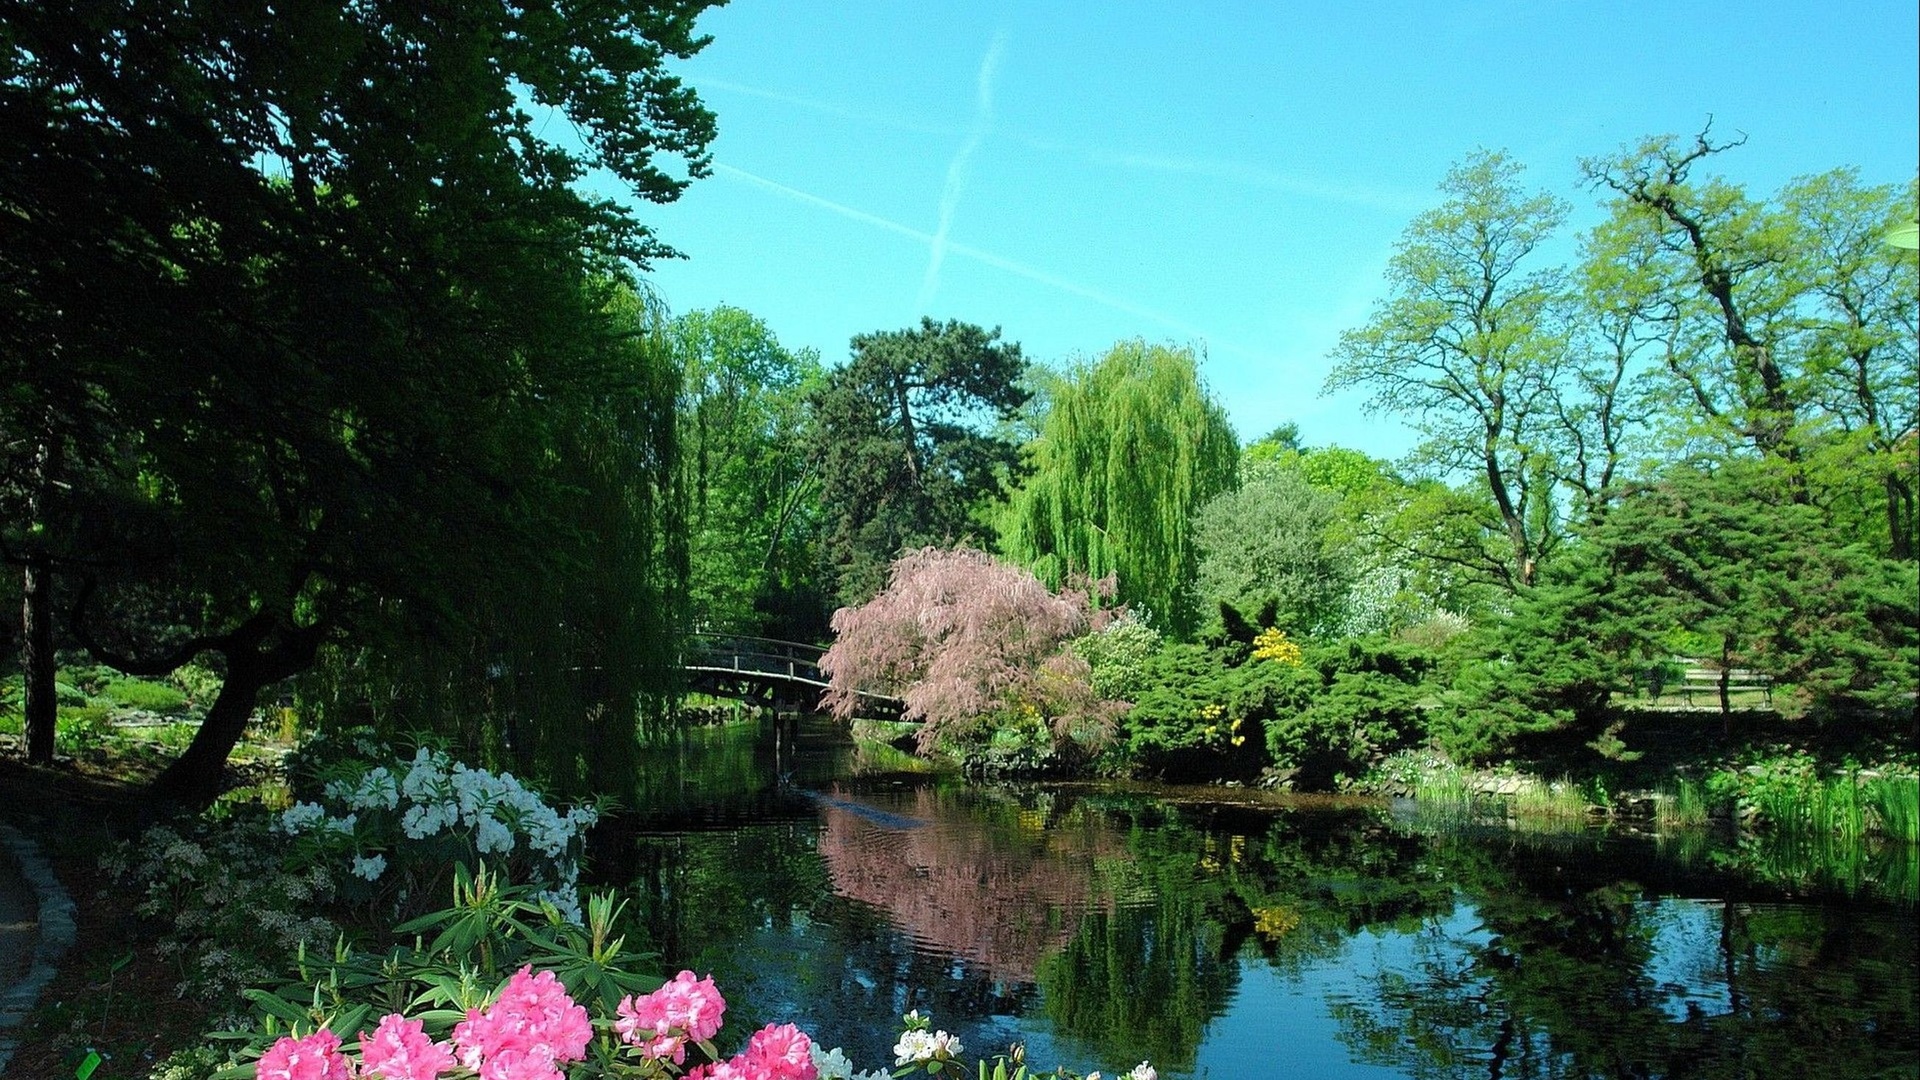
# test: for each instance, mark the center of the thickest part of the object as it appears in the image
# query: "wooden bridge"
(781, 674)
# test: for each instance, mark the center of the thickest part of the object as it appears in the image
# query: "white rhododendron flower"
(300, 817)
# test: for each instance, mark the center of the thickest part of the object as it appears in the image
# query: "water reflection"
(1104, 927)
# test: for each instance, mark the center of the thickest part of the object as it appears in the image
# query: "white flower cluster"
(495, 812)
(918, 1046)
(1142, 1071)
(834, 1065)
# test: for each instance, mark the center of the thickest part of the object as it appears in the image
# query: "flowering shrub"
(1116, 654)
(1272, 644)
(232, 909)
(532, 1028)
(399, 825)
(959, 635)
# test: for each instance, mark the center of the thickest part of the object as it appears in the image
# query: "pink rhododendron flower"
(736, 1068)
(685, 1009)
(399, 1050)
(782, 1053)
(524, 1034)
(535, 1063)
(316, 1057)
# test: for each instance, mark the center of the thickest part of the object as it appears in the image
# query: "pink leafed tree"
(959, 634)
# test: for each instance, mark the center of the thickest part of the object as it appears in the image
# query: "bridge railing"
(768, 658)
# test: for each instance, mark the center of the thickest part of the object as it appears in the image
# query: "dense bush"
(1228, 710)
(1367, 703)
(1201, 714)
(1117, 655)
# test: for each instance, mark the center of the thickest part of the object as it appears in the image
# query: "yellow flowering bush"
(1272, 644)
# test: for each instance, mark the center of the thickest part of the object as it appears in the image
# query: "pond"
(1229, 934)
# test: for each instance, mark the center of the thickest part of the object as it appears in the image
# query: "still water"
(1228, 934)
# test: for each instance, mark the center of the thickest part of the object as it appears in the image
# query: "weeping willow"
(552, 645)
(1130, 448)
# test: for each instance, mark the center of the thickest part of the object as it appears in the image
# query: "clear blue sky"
(1232, 175)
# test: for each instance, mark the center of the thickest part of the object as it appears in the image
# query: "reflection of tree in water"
(1209, 888)
(1561, 981)
(997, 898)
(1142, 982)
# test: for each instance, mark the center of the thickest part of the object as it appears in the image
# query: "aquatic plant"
(1685, 807)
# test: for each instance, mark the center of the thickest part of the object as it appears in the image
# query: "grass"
(141, 694)
(1894, 802)
(1558, 801)
(1843, 806)
(1685, 807)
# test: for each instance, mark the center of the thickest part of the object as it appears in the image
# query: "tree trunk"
(1726, 675)
(1899, 516)
(41, 706)
(194, 778)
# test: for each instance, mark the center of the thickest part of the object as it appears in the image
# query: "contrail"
(1374, 197)
(815, 104)
(957, 169)
(999, 262)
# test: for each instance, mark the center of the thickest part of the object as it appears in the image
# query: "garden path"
(36, 927)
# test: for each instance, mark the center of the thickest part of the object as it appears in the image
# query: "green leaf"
(279, 1006)
(349, 1021)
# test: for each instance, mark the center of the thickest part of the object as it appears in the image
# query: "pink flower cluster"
(773, 1053)
(662, 1023)
(527, 1033)
(399, 1050)
(524, 1035)
(688, 1009)
(534, 1027)
(316, 1057)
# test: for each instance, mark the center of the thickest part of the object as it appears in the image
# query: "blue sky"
(1230, 175)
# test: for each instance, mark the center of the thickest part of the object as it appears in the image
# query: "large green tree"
(311, 326)
(1130, 447)
(908, 440)
(753, 507)
(1468, 345)
(1786, 324)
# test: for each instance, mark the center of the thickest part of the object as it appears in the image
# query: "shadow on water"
(1102, 924)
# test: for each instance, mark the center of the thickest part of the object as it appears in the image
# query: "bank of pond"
(1233, 932)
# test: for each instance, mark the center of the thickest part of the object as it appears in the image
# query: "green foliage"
(1791, 794)
(906, 448)
(82, 728)
(1274, 539)
(1325, 719)
(1466, 345)
(1130, 447)
(1551, 665)
(199, 684)
(363, 306)
(1117, 655)
(1192, 719)
(1365, 701)
(141, 694)
(753, 515)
